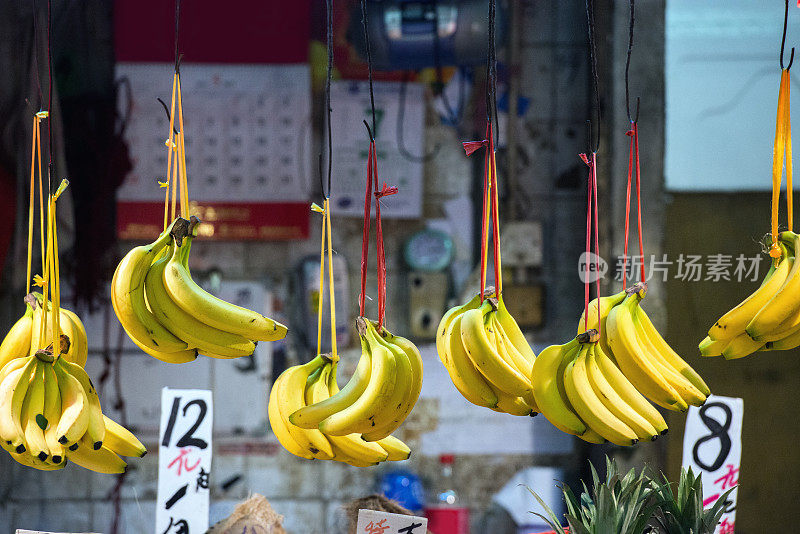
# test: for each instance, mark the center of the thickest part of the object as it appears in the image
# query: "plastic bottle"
(445, 511)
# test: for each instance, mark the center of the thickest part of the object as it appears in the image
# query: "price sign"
(374, 522)
(184, 461)
(712, 446)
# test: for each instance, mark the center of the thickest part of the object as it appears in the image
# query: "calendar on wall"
(248, 143)
(350, 103)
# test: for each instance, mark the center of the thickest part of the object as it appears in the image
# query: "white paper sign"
(712, 446)
(374, 522)
(397, 164)
(184, 461)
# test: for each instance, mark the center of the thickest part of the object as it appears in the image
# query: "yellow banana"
(710, 348)
(13, 388)
(448, 318)
(96, 429)
(512, 405)
(483, 353)
(363, 414)
(280, 427)
(736, 320)
(74, 408)
(741, 346)
(289, 391)
(633, 359)
(100, 460)
(197, 334)
(129, 298)
(52, 413)
(79, 348)
(350, 448)
(513, 332)
(210, 309)
(606, 304)
(465, 377)
(121, 441)
(26, 459)
(552, 404)
(507, 350)
(182, 356)
(17, 342)
(312, 416)
(32, 415)
(784, 301)
(611, 374)
(410, 363)
(615, 403)
(396, 449)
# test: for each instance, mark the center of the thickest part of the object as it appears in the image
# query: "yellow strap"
(41, 195)
(787, 140)
(495, 207)
(170, 147)
(321, 292)
(182, 152)
(777, 161)
(334, 353)
(30, 203)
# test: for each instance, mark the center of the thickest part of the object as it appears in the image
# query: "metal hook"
(627, 68)
(166, 110)
(783, 39)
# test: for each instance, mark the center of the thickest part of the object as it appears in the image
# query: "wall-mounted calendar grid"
(351, 106)
(248, 139)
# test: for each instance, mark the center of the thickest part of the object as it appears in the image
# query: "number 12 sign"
(184, 461)
(712, 446)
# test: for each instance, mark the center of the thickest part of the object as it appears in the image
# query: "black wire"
(177, 32)
(594, 143)
(401, 106)
(783, 39)
(50, 96)
(491, 74)
(369, 62)
(627, 67)
(36, 54)
(329, 4)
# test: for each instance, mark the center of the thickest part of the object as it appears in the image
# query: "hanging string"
(633, 158)
(783, 38)
(177, 33)
(594, 141)
(372, 188)
(36, 54)
(328, 94)
(491, 73)
(50, 95)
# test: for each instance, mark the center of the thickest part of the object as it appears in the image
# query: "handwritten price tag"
(374, 522)
(712, 446)
(184, 461)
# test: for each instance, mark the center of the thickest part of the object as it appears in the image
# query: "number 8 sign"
(184, 461)
(712, 446)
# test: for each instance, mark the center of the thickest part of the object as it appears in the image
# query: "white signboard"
(248, 133)
(712, 446)
(184, 461)
(721, 79)
(374, 522)
(350, 103)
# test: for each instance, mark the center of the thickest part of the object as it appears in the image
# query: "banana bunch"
(582, 392)
(312, 418)
(643, 356)
(769, 319)
(50, 413)
(487, 356)
(24, 336)
(170, 317)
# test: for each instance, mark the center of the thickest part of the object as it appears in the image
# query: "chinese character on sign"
(743, 270)
(202, 480)
(725, 527)
(376, 528)
(183, 462)
(409, 529)
(181, 527)
(729, 479)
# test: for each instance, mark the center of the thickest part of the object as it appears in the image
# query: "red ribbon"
(633, 133)
(490, 206)
(591, 200)
(372, 181)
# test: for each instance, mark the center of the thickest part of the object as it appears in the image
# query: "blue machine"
(416, 34)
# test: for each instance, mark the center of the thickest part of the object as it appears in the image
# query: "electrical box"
(427, 293)
(522, 244)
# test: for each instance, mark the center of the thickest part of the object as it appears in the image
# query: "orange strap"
(782, 151)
